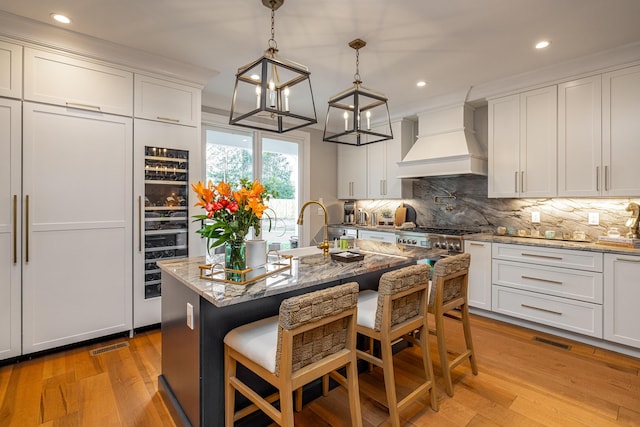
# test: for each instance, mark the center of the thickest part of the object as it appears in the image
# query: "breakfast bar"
(197, 313)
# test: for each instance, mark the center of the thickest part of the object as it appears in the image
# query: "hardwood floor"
(521, 382)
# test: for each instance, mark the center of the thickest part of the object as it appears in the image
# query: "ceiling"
(454, 45)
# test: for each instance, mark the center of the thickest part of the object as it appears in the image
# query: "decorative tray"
(217, 272)
(347, 256)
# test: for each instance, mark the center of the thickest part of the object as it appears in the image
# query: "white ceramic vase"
(256, 253)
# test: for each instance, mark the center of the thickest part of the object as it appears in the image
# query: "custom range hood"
(446, 145)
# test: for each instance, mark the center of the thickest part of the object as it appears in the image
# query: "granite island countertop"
(305, 272)
(553, 243)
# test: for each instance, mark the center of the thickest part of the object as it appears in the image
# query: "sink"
(302, 252)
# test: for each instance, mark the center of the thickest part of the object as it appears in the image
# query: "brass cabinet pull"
(597, 178)
(381, 187)
(83, 106)
(26, 228)
(476, 244)
(15, 229)
(606, 178)
(541, 309)
(542, 256)
(555, 282)
(139, 223)
(522, 182)
(168, 119)
(627, 260)
(515, 182)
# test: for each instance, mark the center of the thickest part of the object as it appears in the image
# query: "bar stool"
(448, 291)
(397, 309)
(313, 335)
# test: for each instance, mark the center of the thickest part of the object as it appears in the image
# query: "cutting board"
(401, 215)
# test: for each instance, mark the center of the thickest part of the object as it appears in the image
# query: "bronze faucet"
(325, 244)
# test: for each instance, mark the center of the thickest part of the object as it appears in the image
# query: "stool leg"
(428, 366)
(229, 391)
(286, 405)
(354, 393)
(467, 337)
(389, 381)
(442, 350)
(298, 396)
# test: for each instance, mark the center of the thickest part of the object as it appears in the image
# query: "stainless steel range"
(432, 237)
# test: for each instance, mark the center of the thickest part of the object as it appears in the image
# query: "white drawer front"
(574, 284)
(379, 236)
(576, 316)
(567, 258)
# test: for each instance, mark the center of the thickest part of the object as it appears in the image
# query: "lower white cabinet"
(77, 234)
(479, 293)
(378, 236)
(621, 298)
(10, 225)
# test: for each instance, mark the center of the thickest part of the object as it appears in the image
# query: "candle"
(272, 94)
(346, 120)
(286, 99)
(258, 92)
(368, 120)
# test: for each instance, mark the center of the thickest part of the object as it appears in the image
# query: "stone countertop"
(305, 272)
(553, 243)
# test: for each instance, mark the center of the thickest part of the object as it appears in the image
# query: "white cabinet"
(479, 293)
(10, 226)
(556, 287)
(56, 79)
(378, 236)
(166, 158)
(77, 235)
(522, 144)
(352, 172)
(10, 70)
(166, 101)
(621, 296)
(621, 132)
(580, 168)
(382, 163)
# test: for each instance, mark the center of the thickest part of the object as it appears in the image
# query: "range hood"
(446, 145)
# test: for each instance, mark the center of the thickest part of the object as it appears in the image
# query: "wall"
(472, 209)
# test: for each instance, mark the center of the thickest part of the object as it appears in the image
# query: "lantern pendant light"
(357, 115)
(273, 93)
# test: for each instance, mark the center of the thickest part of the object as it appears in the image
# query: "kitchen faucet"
(325, 244)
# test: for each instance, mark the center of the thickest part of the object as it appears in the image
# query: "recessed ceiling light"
(421, 83)
(542, 44)
(61, 18)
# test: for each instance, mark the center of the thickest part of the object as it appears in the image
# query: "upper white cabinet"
(580, 168)
(166, 101)
(352, 172)
(479, 292)
(10, 70)
(621, 132)
(382, 163)
(621, 296)
(51, 78)
(522, 144)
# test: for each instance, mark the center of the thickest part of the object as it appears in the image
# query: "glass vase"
(235, 259)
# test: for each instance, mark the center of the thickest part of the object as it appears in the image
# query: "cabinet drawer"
(576, 316)
(566, 258)
(57, 79)
(378, 236)
(165, 101)
(574, 284)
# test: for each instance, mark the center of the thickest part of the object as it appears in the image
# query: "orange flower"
(256, 206)
(205, 194)
(224, 189)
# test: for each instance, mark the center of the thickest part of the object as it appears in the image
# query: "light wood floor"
(521, 382)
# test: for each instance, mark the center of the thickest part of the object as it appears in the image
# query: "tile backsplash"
(462, 201)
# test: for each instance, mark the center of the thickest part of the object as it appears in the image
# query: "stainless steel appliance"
(433, 237)
(349, 212)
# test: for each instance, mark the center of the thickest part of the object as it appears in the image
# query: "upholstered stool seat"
(397, 309)
(313, 335)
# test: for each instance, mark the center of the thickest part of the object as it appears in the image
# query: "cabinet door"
(77, 269)
(504, 147)
(621, 296)
(57, 79)
(479, 293)
(580, 137)
(352, 172)
(166, 101)
(377, 171)
(621, 131)
(10, 70)
(160, 231)
(538, 142)
(10, 225)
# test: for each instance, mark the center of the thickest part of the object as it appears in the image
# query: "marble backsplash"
(462, 201)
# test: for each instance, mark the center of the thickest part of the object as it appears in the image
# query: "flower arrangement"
(233, 210)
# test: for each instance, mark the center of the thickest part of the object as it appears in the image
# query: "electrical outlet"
(190, 316)
(594, 218)
(535, 217)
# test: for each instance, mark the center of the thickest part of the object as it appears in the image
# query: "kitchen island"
(197, 313)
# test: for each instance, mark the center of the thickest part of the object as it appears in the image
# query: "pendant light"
(358, 115)
(273, 93)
